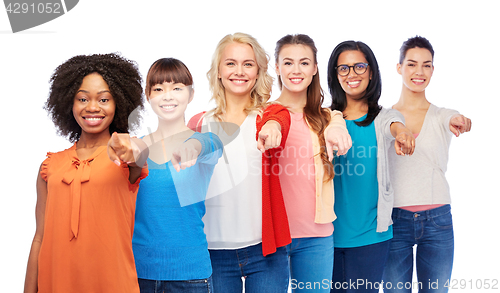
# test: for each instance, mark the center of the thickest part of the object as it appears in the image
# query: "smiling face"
(353, 84)
(238, 70)
(169, 100)
(416, 69)
(296, 67)
(94, 106)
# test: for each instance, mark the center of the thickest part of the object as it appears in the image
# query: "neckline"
(425, 122)
(157, 164)
(358, 119)
(297, 116)
(94, 154)
(223, 132)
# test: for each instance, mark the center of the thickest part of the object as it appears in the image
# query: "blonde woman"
(245, 223)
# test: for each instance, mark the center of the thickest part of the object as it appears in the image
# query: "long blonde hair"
(261, 91)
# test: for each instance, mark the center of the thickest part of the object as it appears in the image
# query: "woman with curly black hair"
(85, 203)
(122, 78)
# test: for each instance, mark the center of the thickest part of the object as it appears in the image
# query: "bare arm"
(336, 135)
(130, 150)
(140, 161)
(404, 139)
(31, 281)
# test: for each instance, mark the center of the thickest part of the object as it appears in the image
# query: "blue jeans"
(189, 286)
(432, 232)
(311, 264)
(359, 269)
(268, 274)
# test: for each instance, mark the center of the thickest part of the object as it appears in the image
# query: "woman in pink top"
(305, 170)
(421, 214)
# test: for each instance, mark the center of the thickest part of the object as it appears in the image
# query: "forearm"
(134, 174)
(141, 157)
(143, 151)
(31, 281)
(397, 127)
(336, 120)
(273, 123)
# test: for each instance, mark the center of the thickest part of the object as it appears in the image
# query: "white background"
(466, 78)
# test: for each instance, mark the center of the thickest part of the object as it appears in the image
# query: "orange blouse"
(89, 223)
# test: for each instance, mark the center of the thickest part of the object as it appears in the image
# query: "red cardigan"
(275, 229)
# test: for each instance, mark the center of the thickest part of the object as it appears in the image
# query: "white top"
(420, 179)
(233, 217)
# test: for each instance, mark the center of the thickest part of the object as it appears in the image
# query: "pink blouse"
(298, 182)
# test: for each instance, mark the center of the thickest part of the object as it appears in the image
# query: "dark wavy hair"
(374, 89)
(317, 117)
(124, 82)
(415, 42)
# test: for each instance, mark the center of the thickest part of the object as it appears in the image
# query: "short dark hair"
(167, 70)
(414, 42)
(120, 74)
(374, 89)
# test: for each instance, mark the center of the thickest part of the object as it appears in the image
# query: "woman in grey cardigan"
(363, 193)
(421, 194)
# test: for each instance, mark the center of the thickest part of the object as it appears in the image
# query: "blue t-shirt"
(356, 190)
(169, 242)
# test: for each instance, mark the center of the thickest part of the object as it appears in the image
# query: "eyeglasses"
(359, 68)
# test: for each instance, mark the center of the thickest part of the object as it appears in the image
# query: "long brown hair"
(317, 117)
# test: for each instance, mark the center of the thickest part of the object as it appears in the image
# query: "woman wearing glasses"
(363, 194)
(421, 192)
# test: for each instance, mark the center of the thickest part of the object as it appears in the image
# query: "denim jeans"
(432, 232)
(311, 264)
(189, 286)
(268, 274)
(359, 269)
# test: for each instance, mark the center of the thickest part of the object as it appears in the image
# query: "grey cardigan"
(383, 123)
(420, 179)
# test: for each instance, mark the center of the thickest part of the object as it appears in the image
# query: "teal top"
(356, 190)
